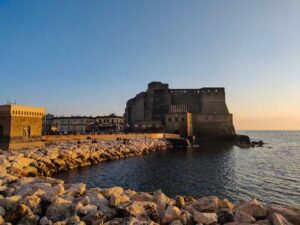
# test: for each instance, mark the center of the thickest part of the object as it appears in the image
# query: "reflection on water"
(270, 173)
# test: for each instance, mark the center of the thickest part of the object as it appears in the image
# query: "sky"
(89, 57)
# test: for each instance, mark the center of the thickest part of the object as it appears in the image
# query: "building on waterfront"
(108, 124)
(83, 124)
(68, 124)
(20, 124)
(190, 112)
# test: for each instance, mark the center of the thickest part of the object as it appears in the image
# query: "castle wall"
(161, 104)
(180, 123)
(217, 124)
(213, 101)
(18, 123)
(190, 98)
(21, 123)
(137, 109)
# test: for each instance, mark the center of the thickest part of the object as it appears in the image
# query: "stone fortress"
(20, 125)
(202, 113)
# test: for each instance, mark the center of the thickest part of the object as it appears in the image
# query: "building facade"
(20, 123)
(68, 124)
(190, 112)
(83, 124)
(108, 124)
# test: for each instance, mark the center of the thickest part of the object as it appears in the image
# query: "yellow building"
(20, 124)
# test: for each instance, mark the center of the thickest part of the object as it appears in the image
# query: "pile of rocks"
(47, 201)
(63, 156)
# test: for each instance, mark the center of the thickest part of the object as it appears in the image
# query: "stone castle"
(202, 113)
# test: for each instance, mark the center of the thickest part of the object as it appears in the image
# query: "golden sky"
(267, 123)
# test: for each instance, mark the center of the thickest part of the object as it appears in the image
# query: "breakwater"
(44, 200)
(63, 156)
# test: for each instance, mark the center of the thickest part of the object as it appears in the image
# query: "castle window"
(182, 119)
(170, 119)
(176, 119)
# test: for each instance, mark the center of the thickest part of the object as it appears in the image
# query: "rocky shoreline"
(29, 196)
(64, 156)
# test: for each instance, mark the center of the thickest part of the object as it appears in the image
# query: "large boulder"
(117, 200)
(108, 192)
(180, 201)
(162, 201)
(10, 203)
(225, 216)
(15, 215)
(34, 203)
(88, 209)
(60, 209)
(76, 189)
(291, 214)
(280, 220)
(205, 218)
(21, 162)
(93, 196)
(253, 208)
(243, 217)
(29, 219)
(172, 213)
(136, 209)
(225, 204)
(207, 204)
(143, 197)
(51, 192)
(45, 221)
(185, 217)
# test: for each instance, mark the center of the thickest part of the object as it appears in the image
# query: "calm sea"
(270, 173)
